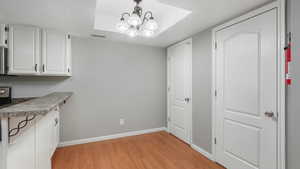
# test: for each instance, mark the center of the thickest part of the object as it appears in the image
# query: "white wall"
(110, 81)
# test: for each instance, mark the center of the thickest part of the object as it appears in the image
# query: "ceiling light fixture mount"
(137, 22)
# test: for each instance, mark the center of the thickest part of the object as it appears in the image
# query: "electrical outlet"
(122, 122)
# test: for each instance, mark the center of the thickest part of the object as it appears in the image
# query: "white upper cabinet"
(24, 50)
(56, 53)
(3, 35)
(35, 51)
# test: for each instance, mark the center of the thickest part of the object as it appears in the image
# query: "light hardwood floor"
(158, 150)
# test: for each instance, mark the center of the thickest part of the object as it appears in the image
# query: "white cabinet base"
(34, 148)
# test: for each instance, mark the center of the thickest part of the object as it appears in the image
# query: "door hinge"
(215, 140)
(169, 119)
(289, 37)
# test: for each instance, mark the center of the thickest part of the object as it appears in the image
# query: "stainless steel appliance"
(5, 95)
(3, 60)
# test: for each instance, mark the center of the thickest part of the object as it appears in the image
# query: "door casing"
(280, 5)
(190, 121)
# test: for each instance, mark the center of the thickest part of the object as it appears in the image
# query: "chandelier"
(137, 23)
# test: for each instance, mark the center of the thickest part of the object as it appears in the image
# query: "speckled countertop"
(36, 106)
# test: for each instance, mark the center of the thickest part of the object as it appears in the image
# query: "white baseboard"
(114, 136)
(203, 152)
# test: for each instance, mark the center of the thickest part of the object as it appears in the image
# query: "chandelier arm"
(141, 12)
(124, 14)
(146, 18)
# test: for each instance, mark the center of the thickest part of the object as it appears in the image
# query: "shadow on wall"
(23, 85)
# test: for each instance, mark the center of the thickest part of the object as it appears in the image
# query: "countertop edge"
(16, 110)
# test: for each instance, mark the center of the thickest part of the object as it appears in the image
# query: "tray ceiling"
(108, 13)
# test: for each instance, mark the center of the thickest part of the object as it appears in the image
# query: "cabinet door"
(3, 37)
(44, 130)
(55, 53)
(24, 50)
(21, 153)
(69, 56)
(55, 132)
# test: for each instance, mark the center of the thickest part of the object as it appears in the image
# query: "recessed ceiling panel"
(108, 13)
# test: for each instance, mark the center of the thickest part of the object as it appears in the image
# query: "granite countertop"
(17, 101)
(36, 106)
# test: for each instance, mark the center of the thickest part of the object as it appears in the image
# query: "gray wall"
(111, 81)
(201, 88)
(293, 91)
(202, 135)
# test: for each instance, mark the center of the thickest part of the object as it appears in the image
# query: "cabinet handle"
(6, 29)
(56, 121)
(35, 67)
(43, 67)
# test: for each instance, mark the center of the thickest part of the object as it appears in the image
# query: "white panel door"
(246, 104)
(24, 50)
(180, 74)
(55, 53)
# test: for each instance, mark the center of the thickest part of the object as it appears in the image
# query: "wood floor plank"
(158, 150)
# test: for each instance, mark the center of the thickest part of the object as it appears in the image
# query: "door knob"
(269, 114)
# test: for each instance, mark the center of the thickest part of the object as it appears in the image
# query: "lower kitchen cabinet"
(21, 153)
(34, 148)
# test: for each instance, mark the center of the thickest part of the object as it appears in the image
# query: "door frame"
(281, 135)
(190, 112)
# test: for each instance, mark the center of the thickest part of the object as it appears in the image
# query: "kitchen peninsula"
(30, 132)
